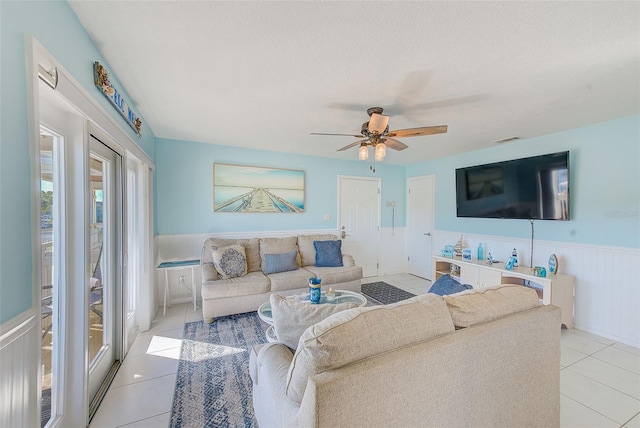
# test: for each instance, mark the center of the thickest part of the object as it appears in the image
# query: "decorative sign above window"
(101, 79)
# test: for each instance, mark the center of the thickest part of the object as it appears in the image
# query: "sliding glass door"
(104, 287)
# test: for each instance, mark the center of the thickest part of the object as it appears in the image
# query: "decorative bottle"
(514, 254)
(315, 290)
(480, 252)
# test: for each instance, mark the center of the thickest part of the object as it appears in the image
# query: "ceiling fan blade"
(343, 135)
(415, 132)
(348, 106)
(357, 143)
(394, 144)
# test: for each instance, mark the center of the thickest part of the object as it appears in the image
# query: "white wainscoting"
(607, 296)
(188, 246)
(19, 372)
(392, 254)
(606, 291)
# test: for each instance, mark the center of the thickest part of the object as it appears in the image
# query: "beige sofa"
(486, 358)
(246, 293)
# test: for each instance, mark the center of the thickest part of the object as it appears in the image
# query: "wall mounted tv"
(529, 188)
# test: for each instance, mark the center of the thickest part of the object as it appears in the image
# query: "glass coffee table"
(342, 296)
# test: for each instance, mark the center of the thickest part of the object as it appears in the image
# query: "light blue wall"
(604, 181)
(56, 27)
(184, 189)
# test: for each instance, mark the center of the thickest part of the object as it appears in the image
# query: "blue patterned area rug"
(384, 293)
(213, 386)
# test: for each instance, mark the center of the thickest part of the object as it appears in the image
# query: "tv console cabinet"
(552, 290)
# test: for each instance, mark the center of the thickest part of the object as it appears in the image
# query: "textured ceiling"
(266, 74)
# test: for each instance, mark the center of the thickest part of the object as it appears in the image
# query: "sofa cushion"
(278, 246)
(251, 249)
(361, 333)
(292, 317)
(290, 280)
(230, 262)
(328, 253)
(307, 250)
(487, 304)
(336, 275)
(274, 263)
(251, 283)
(446, 284)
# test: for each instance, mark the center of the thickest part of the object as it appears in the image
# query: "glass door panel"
(49, 282)
(103, 283)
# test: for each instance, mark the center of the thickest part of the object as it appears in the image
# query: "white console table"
(552, 290)
(174, 265)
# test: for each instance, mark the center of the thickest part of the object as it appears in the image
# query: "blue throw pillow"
(446, 285)
(284, 262)
(328, 253)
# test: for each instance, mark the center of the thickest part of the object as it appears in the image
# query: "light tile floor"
(599, 379)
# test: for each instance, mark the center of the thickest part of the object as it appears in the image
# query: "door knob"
(427, 234)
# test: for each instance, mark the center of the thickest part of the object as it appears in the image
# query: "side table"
(176, 265)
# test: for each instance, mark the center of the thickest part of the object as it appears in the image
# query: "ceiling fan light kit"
(363, 152)
(380, 151)
(377, 135)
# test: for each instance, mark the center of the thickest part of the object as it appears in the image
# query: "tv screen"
(529, 188)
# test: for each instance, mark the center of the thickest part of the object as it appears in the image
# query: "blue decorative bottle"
(315, 290)
(480, 252)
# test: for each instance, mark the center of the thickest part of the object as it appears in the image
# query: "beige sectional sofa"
(481, 358)
(247, 292)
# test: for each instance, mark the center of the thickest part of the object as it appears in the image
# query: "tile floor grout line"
(631, 418)
(615, 365)
(604, 384)
(143, 419)
(140, 382)
(587, 407)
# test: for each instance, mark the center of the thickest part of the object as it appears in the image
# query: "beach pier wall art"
(250, 189)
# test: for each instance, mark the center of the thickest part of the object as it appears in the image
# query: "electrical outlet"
(181, 279)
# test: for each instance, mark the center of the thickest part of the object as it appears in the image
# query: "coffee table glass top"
(342, 296)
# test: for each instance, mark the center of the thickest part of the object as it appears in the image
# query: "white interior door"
(359, 220)
(420, 225)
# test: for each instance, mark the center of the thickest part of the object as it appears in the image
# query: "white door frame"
(74, 408)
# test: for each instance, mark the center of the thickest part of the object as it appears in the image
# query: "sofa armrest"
(348, 260)
(269, 370)
(208, 272)
(272, 360)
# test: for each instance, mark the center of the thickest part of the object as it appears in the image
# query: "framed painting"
(250, 189)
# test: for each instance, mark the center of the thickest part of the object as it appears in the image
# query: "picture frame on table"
(466, 254)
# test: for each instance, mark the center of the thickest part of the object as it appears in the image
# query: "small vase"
(314, 290)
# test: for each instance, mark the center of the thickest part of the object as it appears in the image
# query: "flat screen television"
(529, 188)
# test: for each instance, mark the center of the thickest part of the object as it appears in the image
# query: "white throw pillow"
(230, 261)
(292, 317)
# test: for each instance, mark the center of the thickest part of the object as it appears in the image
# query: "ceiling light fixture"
(380, 151)
(378, 123)
(363, 152)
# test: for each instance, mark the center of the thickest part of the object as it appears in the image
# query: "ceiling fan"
(377, 135)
